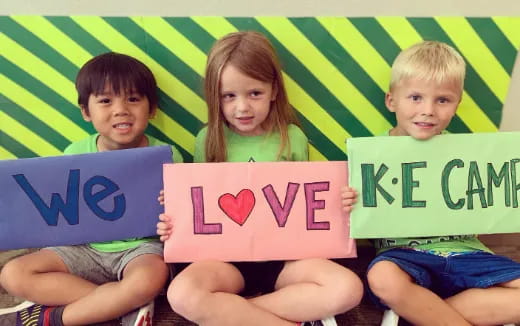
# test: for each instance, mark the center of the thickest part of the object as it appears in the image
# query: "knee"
(388, 282)
(185, 297)
(346, 293)
(12, 278)
(146, 287)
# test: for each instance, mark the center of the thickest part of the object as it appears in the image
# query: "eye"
(134, 99)
(255, 93)
(444, 100)
(104, 100)
(416, 98)
(228, 96)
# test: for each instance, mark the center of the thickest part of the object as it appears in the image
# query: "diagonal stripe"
(346, 65)
(37, 47)
(197, 35)
(311, 57)
(43, 92)
(326, 147)
(496, 41)
(33, 142)
(403, 33)
(178, 113)
(159, 134)
(76, 32)
(106, 34)
(5, 154)
(215, 26)
(377, 36)
(40, 109)
(168, 36)
(46, 74)
(352, 68)
(510, 27)
(39, 127)
(347, 35)
(174, 130)
(476, 52)
(314, 154)
(42, 28)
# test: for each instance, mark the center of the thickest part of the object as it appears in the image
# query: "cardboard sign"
(448, 185)
(74, 199)
(256, 211)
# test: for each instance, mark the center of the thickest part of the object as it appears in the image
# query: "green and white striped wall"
(337, 70)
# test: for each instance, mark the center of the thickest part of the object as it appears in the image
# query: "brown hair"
(252, 54)
(125, 74)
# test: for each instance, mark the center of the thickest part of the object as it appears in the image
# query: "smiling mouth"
(123, 125)
(424, 124)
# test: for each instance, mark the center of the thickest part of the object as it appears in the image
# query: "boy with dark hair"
(96, 282)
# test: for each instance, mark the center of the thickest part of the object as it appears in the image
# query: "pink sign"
(256, 211)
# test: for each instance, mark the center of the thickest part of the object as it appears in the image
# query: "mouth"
(424, 124)
(122, 125)
(245, 120)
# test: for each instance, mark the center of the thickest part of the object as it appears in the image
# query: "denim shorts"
(447, 276)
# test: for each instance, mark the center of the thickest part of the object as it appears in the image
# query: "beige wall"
(510, 122)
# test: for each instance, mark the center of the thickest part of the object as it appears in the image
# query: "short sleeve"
(199, 155)
(299, 144)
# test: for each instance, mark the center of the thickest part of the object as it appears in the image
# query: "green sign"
(450, 184)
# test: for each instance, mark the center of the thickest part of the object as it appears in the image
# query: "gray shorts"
(101, 267)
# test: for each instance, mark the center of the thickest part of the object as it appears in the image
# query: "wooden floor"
(364, 315)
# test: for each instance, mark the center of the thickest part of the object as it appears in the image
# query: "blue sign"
(75, 199)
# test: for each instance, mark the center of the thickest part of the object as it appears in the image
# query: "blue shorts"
(447, 276)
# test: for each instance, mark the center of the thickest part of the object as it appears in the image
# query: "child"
(97, 282)
(250, 120)
(439, 280)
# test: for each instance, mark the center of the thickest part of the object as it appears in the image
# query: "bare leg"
(206, 293)
(312, 289)
(415, 303)
(143, 279)
(42, 277)
(491, 306)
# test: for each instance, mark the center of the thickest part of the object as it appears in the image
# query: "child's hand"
(348, 198)
(164, 227)
(161, 197)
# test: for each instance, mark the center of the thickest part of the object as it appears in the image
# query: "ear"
(389, 102)
(85, 113)
(153, 111)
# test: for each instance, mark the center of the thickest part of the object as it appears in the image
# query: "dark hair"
(122, 72)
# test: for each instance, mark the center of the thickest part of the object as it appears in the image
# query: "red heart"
(237, 208)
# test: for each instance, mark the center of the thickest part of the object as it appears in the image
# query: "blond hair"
(429, 61)
(252, 54)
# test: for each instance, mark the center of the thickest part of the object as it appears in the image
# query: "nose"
(120, 108)
(242, 105)
(428, 108)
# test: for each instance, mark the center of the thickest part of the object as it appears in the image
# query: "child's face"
(423, 109)
(245, 101)
(120, 119)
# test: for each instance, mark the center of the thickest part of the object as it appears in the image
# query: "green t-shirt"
(263, 148)
(88, 145)
(439, 245)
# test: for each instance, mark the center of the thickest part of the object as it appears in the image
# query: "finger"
(163, 217)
